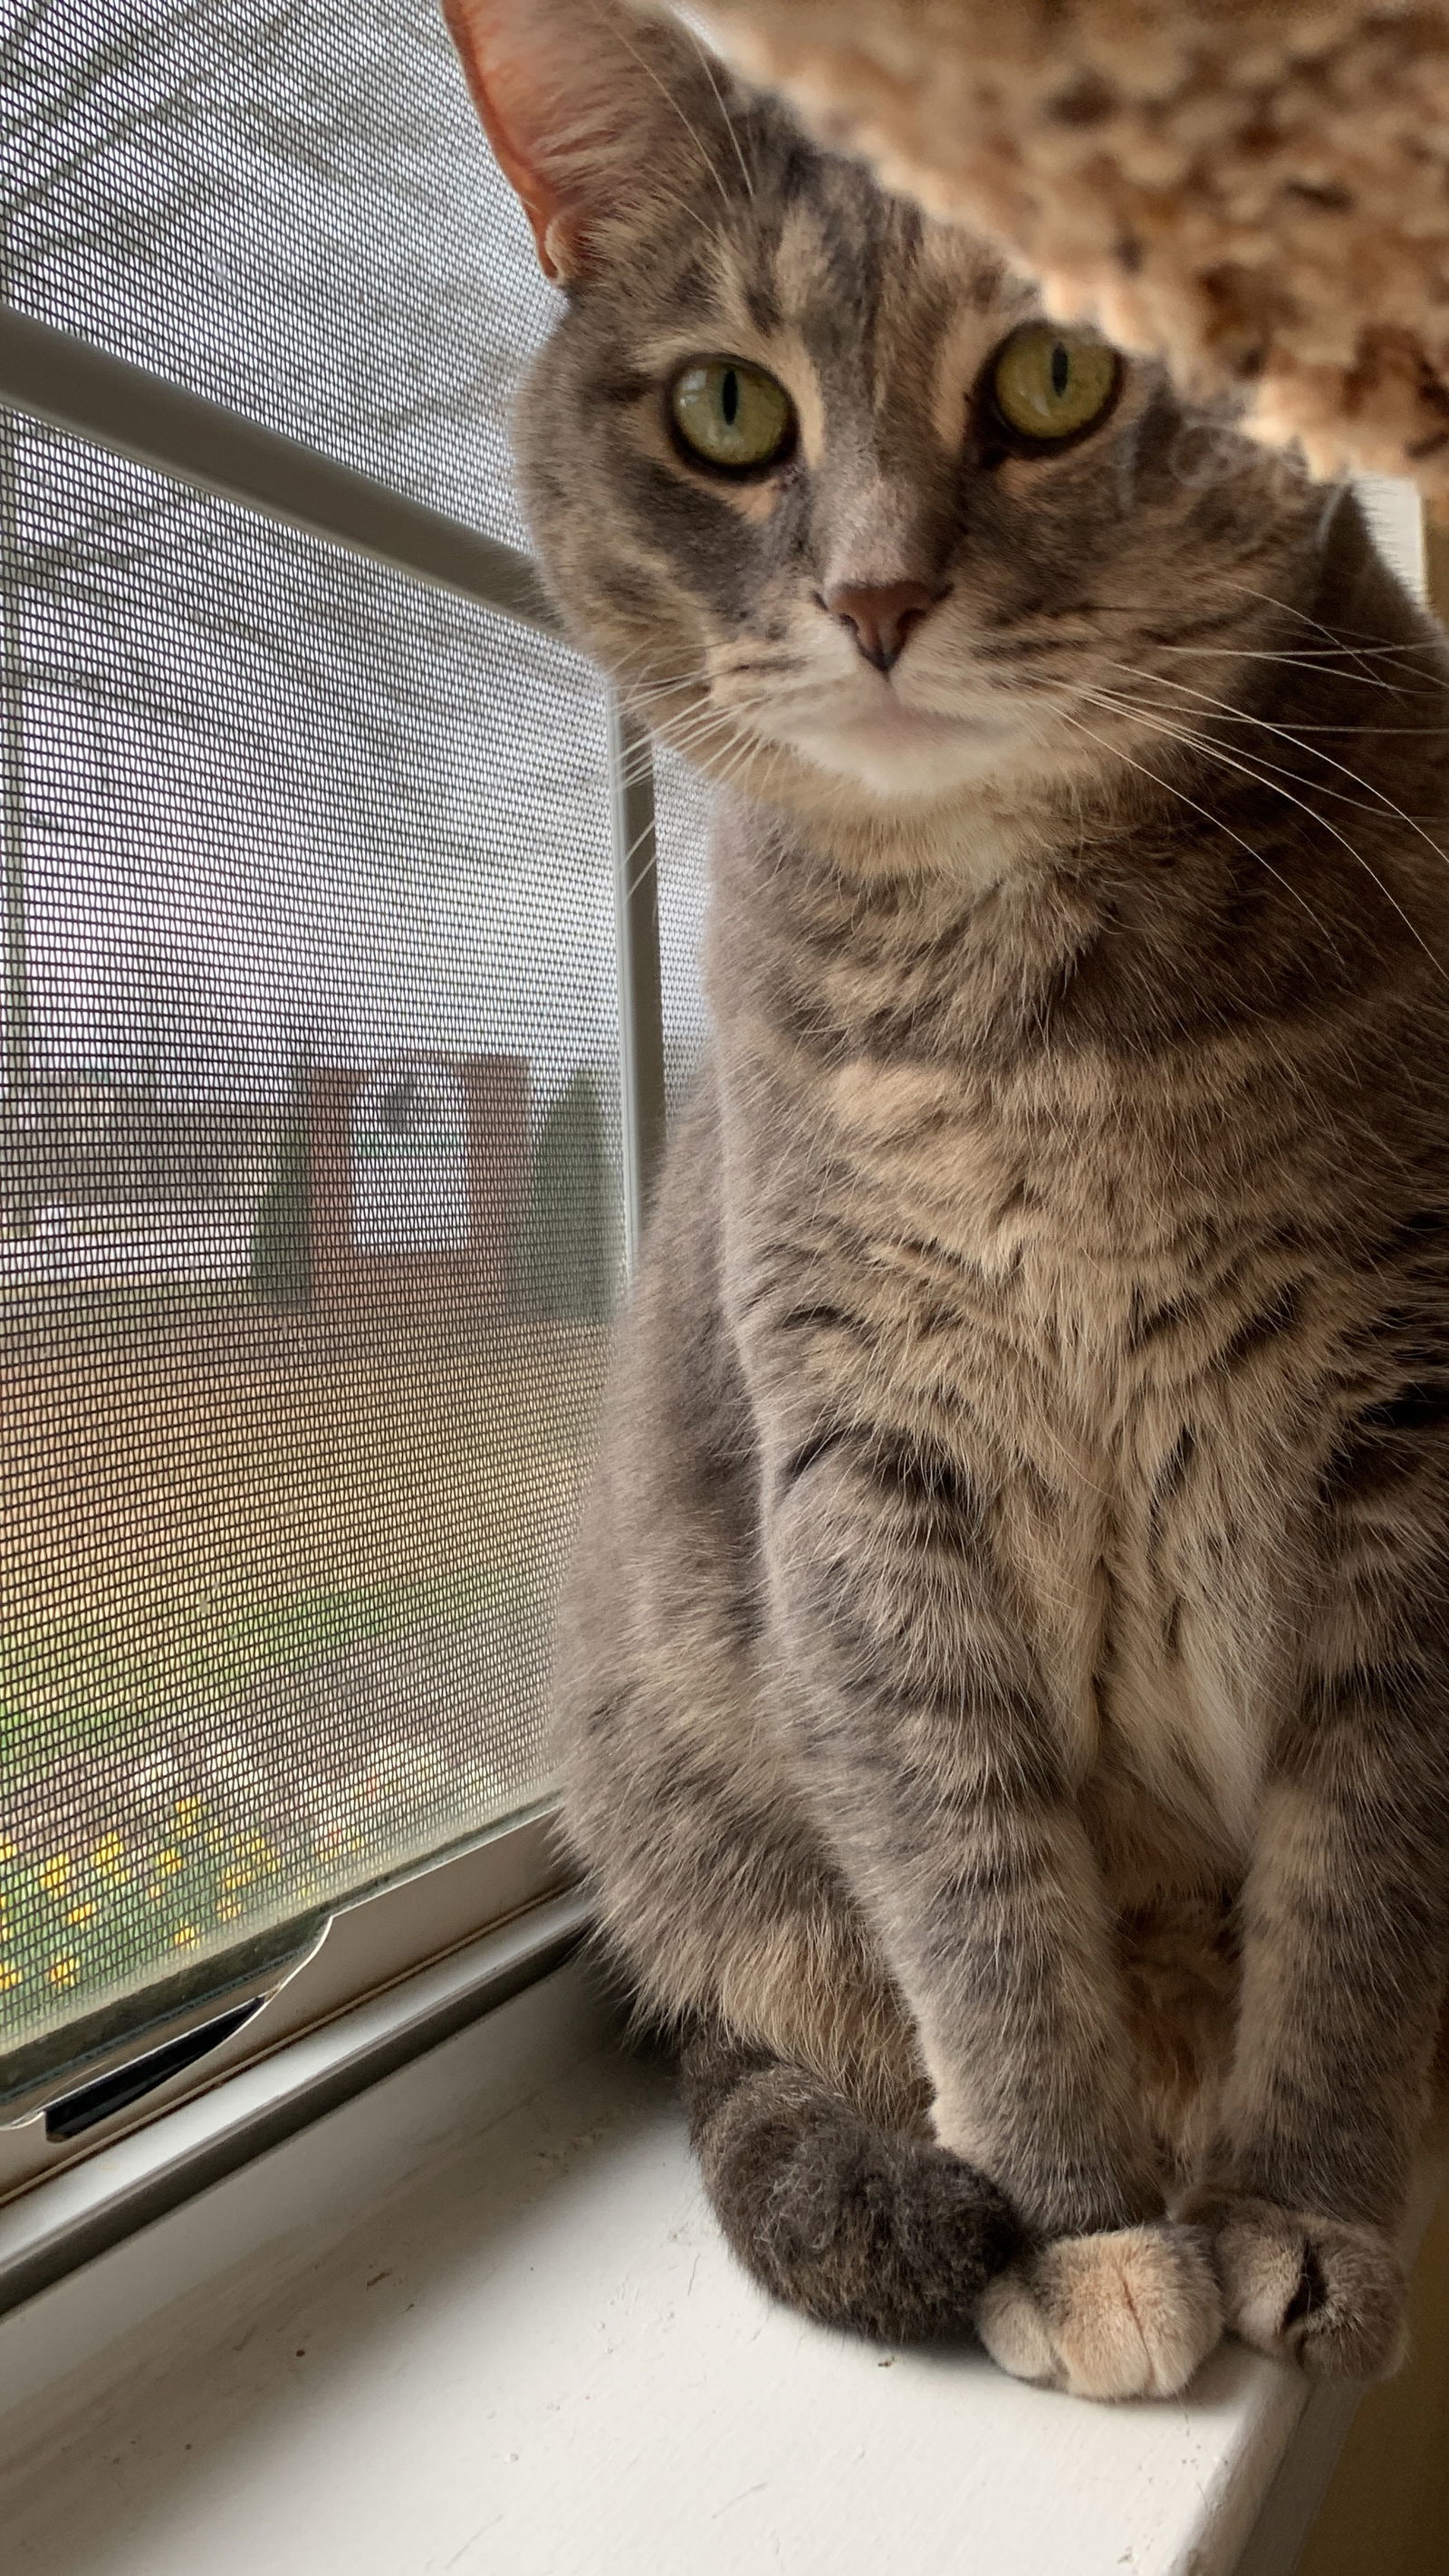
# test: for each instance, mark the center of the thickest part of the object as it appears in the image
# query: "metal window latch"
(94, 2067)
(76, 2112)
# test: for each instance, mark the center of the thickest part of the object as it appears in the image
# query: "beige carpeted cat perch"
(1257, 188)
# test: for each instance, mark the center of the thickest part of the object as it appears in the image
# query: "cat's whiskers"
(621, 662)
(709, 714)
(1320, 660)
(637, 693)
(731, 129)
(1255, 764)
(1307, 657)
(688, 739)
(699, 675)
(1355, 647)
(1115, 751)
(657, 717)
(652, 684)
(1403, 733)
(698, 737)
(640, 763)
(1225, 707)
(649, 701)
(1214, 751)
(759, 668)
(1342, 646)
(646, 835)
(1317, 665)
(1342, 637)
(618, 36)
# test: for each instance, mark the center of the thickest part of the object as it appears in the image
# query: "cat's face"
(817, 487)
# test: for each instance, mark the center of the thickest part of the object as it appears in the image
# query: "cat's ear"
(576, 100)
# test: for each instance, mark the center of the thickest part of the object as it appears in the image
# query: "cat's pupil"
(729, 397)
(1061, 369)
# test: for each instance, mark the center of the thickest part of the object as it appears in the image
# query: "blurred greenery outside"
(233, 1474)
(571, 1253)
(81, 1915)
(281, 1253)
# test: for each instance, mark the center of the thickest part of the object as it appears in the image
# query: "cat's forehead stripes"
(870, 315)
(731, 316)
(876, 318)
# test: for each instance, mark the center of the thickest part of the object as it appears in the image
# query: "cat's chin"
(901, 755)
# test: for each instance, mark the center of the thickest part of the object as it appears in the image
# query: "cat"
(1001, 1689)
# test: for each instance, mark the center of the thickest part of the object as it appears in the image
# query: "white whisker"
(667, 94)
(1115, 751)
(1224, 706)
(730, 128)
(1245, 769)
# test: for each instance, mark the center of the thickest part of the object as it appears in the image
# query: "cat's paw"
(1313, 2290)
(1126, 2314)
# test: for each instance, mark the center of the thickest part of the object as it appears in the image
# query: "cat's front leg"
(1343, 1981)
(938, 1771)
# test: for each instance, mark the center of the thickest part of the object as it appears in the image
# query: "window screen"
(682, 838)
(287, 204)
(310, 1142)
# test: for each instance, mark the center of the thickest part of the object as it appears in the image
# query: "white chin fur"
(927, 764)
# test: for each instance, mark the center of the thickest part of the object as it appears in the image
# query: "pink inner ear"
(499, 59)
(569, 100)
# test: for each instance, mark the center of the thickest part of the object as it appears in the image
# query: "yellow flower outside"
(54, 1872)
(80, 1914)
(8, 1977)
(169, 1861)
(183, 1933)
(64, 1972)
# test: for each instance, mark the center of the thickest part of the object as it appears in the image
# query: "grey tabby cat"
(1003, 1685)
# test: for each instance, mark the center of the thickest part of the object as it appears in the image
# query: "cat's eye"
(731, 415)
(1049, 383)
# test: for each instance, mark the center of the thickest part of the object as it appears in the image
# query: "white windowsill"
(480, 2319)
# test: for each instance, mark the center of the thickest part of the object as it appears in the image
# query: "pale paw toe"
(1131, 2313)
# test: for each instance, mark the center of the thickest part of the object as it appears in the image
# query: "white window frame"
(390, 1948)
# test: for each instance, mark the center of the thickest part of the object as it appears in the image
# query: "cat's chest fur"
(1065, 1319)
(1070, 1269)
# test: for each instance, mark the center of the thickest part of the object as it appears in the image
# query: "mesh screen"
(682, 822)
(310, 1197)
(309, 1154)
(286, 204)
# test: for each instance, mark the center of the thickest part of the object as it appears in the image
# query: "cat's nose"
(881, 617)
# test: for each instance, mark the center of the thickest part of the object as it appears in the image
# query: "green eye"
(1050, 383)
(732, 415)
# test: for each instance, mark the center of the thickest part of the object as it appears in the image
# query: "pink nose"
(881, 618)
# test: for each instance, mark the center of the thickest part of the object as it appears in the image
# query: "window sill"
(365, 1998)
(480, 2319)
